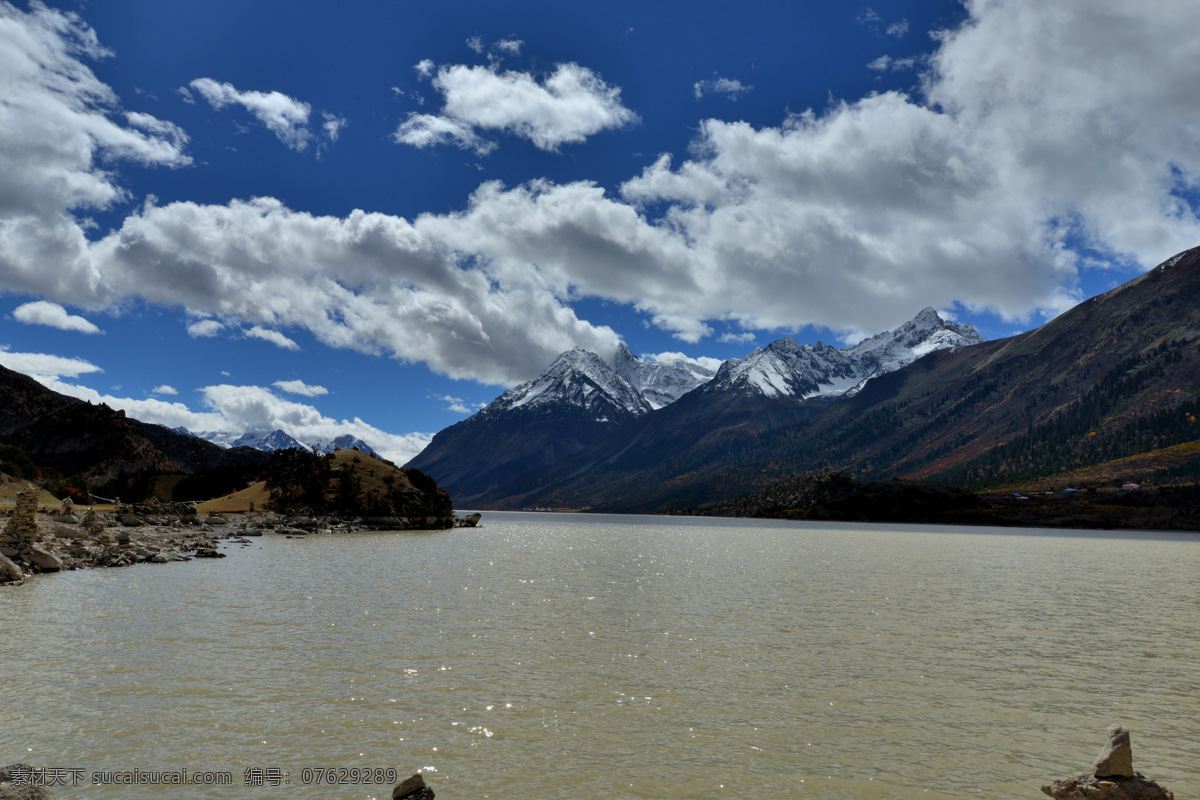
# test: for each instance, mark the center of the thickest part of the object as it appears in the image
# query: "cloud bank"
(1044, 135)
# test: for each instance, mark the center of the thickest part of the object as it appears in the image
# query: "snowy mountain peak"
(922, 334)
(576, 378)
(660, 382)
(270, 441)
(787, 368)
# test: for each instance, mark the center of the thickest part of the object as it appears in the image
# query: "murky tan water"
(548, 656)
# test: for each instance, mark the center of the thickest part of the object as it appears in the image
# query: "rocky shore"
(34, 540)
(1112, 776)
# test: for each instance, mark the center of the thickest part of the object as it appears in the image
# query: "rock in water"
(1112, 776)
(1116, 759)
(412, 788)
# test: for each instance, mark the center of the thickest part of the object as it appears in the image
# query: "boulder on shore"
(21, 782)
(1112, 776)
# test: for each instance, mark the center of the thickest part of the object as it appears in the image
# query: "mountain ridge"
(580, 412)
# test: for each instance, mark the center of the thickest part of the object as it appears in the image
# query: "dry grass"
(10, 487)
(1119, 470)
(238, 502)
(374, 473)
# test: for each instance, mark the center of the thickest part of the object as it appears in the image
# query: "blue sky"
(373, 219)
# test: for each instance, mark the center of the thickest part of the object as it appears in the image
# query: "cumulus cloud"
(300, 387)
(675, 357)
(58, 124)
(44, 365)
(164, 389)
(204, 328)
(274, 337)
(431, 130)
(729, 87)
(565, 107)
(43, 312)
(284, 116)
(1041, 130)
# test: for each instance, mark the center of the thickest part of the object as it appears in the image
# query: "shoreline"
(39, 541)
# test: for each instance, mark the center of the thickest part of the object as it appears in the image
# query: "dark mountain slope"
(1116, 375)
(78, 438)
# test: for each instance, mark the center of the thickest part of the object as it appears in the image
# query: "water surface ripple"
(568, 656)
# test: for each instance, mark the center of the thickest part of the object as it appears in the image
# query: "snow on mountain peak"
(787, 368)
(660, 382)
(579, 378)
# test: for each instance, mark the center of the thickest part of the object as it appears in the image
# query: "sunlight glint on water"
(562, 656)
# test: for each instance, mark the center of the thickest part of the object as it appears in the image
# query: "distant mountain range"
(582, 409)
(1109, 388)
(99, 443)
(78, 438)
(270, 441)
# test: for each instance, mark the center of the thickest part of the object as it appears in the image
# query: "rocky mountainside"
(582, 414)
(660, 383)
(78, 438)
(787, 368)
(511, 443)
(270, 441)
(1116, 377)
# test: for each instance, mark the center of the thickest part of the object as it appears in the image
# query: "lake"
(575, 656)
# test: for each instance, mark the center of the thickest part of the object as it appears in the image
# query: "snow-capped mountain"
(344, 442)
(516, 439)
(660, 382)
(924, 333)
(578, 379)
(788, 368)
(580, 406)
(270, 441)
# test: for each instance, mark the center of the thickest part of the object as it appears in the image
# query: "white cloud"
(58, 122)
(476, 44)
(274, 337)
(430, 130)
(886, 62)
(673, 357)
(255, 408)
(567, 106)
(1042, 127)
(898, 29)
(230, 408)
(42, 312)
(457, 404)
(43, 365)
(510, 47)
(738, 338)
(300, 387)
(333, 125)
(284, 116)
(425, 67)
(164, 389)
(729, 87)
(204, 329)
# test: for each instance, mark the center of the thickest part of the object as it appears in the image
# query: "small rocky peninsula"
(38, 540)
(1112, 776)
